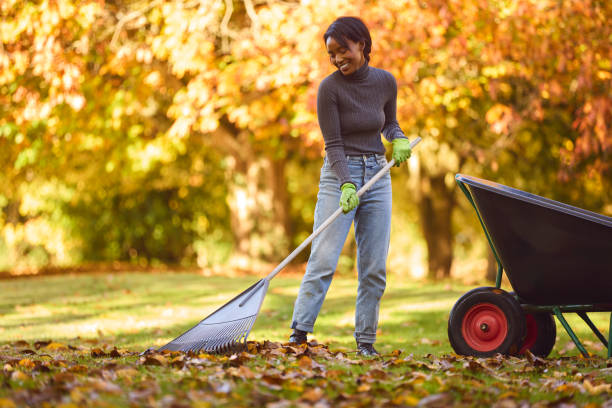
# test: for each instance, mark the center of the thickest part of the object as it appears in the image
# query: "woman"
(354, 105)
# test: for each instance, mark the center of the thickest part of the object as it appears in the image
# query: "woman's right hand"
(401, 150)
(349, 199)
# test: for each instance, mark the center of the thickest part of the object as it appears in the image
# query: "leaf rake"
(226, 329)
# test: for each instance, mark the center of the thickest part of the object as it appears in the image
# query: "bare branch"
(131, 16)
(229, 9)
(248, 4)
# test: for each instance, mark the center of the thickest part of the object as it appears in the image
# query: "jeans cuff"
(303, 326)
(369, 338)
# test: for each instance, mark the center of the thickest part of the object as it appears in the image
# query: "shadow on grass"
(84, 300)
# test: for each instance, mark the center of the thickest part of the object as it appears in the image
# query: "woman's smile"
(344, 66)
(348, 58)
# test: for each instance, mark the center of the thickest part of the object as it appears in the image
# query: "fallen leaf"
(27, 363)
(98, 352)
(79, 368)
(506, 403)
(127, 372)
(155, 359)
(596, 389)
(313, 394)
(305, 362)
(77, 395)
(19, 376)
(436, 400)
(105, 386)
(56, 346)
(377, 373)
(40, 344)
(364, 387)
(7, 403)
(406, 398)
(535, 360)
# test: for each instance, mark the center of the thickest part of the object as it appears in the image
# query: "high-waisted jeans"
(372, 231)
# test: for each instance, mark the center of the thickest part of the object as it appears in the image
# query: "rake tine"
(247, 328)
(216, 344)
(229, 339)
(224, 347)
(220, 337)
(239, 328)
(240, 333)
(204, 345)
(197, 346)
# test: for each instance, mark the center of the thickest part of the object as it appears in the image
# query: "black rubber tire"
(511, 311)
(542, 326)
(545, 333)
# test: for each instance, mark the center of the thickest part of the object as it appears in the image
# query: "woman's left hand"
(401, 150)
(349, 198)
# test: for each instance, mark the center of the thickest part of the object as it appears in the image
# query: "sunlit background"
(184, 133)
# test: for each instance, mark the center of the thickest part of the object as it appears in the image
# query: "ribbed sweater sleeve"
(329, 122)
(391, 130)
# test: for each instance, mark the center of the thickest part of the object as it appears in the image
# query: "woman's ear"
(361, 45)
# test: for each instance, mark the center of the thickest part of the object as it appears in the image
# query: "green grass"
(135, 311)
(140, 310)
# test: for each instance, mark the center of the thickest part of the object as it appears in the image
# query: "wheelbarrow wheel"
(541, 334)
(486, 321)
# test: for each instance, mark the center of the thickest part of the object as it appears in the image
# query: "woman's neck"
(360, 74)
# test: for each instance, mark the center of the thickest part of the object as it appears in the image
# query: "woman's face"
(347, 59)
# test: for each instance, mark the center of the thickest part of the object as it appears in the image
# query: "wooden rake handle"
(332, 217)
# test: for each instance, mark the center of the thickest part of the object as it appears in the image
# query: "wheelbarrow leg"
(595, 330)
(610, 338)
(570, 332)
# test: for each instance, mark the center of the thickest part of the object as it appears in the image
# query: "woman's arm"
(391, 129)
(329, 122)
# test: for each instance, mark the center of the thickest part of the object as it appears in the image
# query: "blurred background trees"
(185, 132)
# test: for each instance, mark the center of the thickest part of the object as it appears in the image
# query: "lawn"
(75, 340)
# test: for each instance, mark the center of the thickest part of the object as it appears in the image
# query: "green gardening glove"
(401, 150)
(349, 199)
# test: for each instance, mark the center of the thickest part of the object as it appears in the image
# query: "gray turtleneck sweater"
(353, 110)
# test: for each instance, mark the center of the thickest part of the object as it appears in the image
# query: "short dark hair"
(352, 28)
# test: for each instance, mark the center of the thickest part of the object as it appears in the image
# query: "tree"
(105, 101)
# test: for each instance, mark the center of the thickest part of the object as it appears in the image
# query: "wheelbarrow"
(557, 258)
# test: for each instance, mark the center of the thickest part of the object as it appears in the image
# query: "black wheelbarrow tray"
(558, 259)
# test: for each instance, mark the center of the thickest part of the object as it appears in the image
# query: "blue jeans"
(372, 231)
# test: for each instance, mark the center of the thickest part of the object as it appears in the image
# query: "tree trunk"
(259, 205)
(436, 204)
(258, 200)
(280, 197)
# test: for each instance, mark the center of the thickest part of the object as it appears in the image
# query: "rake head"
(227, 328)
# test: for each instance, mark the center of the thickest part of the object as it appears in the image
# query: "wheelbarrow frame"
(557, 309)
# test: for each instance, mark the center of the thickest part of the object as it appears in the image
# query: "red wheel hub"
(532, 333)
(484, 327)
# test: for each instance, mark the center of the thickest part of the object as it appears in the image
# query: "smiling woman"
(354, 106)
(348, 48)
